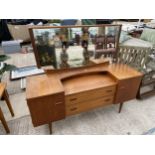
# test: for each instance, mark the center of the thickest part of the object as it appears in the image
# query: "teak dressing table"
(61, 93)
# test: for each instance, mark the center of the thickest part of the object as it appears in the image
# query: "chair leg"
(50, 127)
(6, 97)
(120, 107)
(4, 122)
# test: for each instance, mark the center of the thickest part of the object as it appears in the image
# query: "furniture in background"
(23, 72)
(140, 49)
(19, 32)
(4, 95)
(106, 46)
(96, 21)
(150, 24)
(147, 20)
(148, 35)
(140, 59)
(18, 28)
(129, 20)
(136, 33)
(61, 93)
(4, 32)
(147, 39)
(10, 47)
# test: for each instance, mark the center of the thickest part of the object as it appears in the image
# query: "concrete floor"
(137, 117)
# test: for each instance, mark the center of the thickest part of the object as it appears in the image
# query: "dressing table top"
(54, 82)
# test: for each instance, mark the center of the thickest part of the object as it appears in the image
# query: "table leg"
(6, 97)
(138, 93)
(120, 107)
(4, 122)
(50, 127)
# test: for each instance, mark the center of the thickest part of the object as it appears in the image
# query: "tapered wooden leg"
(139, 94)
(6, 97)
(6, 92)
(120, 107)
(50, 127)
(4, 122)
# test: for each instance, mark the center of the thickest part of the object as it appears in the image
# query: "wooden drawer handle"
(73, 109)
(107, 99)
(73, 99)
(57, 103)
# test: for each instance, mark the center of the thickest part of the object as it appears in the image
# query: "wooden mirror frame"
(78, 26)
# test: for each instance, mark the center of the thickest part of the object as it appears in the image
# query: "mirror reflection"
(68, 47)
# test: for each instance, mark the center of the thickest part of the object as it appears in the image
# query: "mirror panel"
(72, 46)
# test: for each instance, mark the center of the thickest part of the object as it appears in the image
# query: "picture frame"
(24, 72)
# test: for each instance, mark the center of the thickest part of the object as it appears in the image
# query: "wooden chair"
(4, 95)
(139, 58)
(105, 46)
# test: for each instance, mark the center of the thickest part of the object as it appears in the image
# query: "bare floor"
(137, 116)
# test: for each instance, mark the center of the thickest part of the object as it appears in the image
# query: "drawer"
(88, 105)
(47, 109)
(93, 94)
(127, 89)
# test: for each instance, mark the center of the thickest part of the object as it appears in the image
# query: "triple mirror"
(72, 46)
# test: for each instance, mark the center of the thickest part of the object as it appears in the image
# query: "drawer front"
(88, 105)
(93, 94)
(47, 109)
(58, 109)
(127, 89)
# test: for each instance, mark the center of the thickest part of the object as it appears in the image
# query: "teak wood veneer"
(60, 93)
(4, 95)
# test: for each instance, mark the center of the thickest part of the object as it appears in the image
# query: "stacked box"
(11, 46)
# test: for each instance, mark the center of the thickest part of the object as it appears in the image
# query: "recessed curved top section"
(83, 73)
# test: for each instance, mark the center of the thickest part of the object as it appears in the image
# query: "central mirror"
(73, 46)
